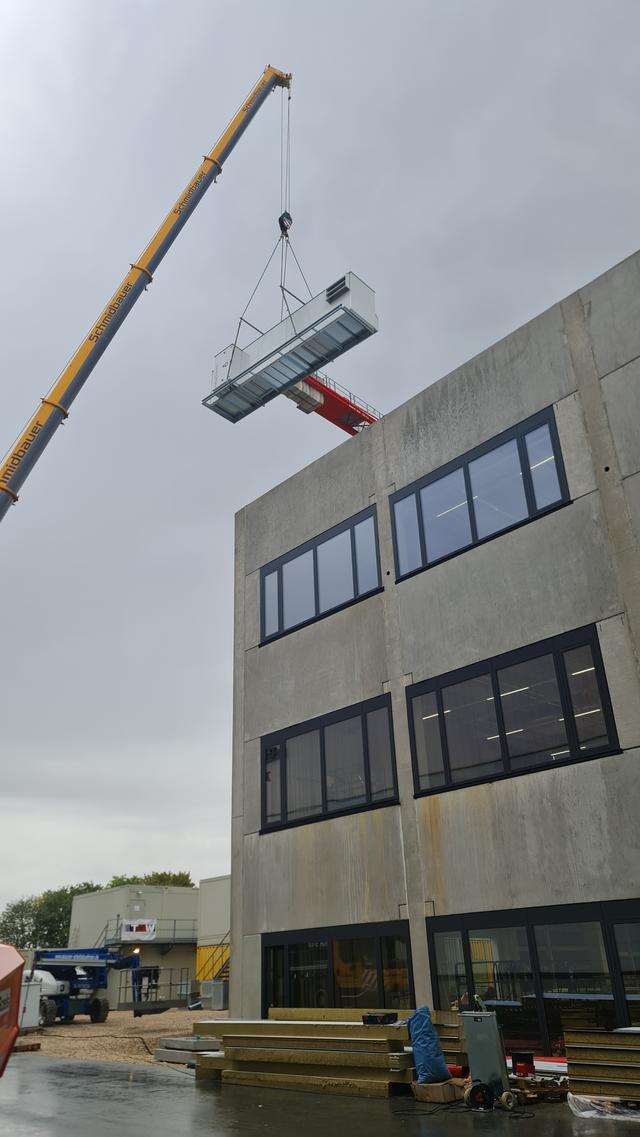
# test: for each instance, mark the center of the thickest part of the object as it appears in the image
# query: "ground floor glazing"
(543, 970)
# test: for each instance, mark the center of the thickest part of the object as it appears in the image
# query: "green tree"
(53, 913)
(41, 921)
(164, 879)
(17, 923)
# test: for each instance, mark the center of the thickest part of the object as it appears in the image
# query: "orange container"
(11, 965)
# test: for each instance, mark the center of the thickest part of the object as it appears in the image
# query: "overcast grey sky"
(473, 160)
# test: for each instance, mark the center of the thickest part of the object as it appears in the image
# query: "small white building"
(160, 924)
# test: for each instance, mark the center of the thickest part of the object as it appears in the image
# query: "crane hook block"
(285, 221)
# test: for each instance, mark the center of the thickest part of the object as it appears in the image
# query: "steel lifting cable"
(285, 184)
(242, 320)
(283, 240)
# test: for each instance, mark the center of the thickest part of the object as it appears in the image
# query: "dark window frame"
(376, 931)
(545, 417)
(279, 739)
(311, 545)
(606, 913)
(555, 646)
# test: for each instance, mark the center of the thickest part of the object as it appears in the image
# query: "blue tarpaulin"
(427, 1052)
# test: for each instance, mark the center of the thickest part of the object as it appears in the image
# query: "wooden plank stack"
(319, 1051)
(603, 1063)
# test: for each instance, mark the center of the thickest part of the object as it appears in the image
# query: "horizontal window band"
(540, 769)
(484, 540)
(479, 483)
(323, 616)
(320, 817)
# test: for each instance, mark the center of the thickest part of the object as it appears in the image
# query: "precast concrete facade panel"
(339, 485)
(524, 373)
(545, 578)
(333, 663)
(342, 865)
(621, 390)
(553, 837)
(632, 497)
(612, 308)
(620, 669)
(562, 834)
(575, 448)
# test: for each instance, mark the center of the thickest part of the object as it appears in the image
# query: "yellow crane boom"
(54, 407)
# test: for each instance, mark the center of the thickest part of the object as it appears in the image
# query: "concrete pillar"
(623, 545)
(414, 867)
(236, 1009)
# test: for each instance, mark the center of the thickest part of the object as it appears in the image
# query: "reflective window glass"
(366, 559)
(335, 571)
(503, 980)
(533, 714)
(426, 725)
(586, 699)
(407, 534)
(445, 514)
(451, 976)
(480, 494)
(542, 463)
(304, 792)
(353, 754)
(380, 758)
(355, 973)
(336, 567)
(275, 976)
(297, 590)
(308, 974)
(628, 945)
(395, 972)
(344, 762)
(472, 729)
(575, 979)
(497, 489)
(271, 623)
(273, 802)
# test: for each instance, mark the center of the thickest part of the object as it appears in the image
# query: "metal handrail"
(173, 930)
(219, 958)
(346, 394)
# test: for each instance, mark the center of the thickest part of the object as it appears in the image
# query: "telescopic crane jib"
(54, 407)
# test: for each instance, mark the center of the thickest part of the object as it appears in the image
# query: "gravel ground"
(121, 1039)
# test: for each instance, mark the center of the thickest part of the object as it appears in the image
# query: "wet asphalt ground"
(46, 1097)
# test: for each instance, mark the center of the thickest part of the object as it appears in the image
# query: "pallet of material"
(603, 1064)
(330, 1014)
(316, 1084)
(209, 1065)
(319, 1029)
(448, 1025)
(388, 1063)
(326, 1042)
(330, 1051)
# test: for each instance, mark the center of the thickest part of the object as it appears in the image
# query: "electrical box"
(485, 1050)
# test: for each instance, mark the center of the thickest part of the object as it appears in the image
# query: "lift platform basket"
(310, 337)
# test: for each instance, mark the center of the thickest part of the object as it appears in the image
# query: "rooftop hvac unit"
(310, 337)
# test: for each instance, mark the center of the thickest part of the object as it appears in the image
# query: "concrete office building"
(436, 787)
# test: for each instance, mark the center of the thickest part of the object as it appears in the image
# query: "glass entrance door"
(544, 970)
(627, 938)
(503, 980)
(576, 984)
